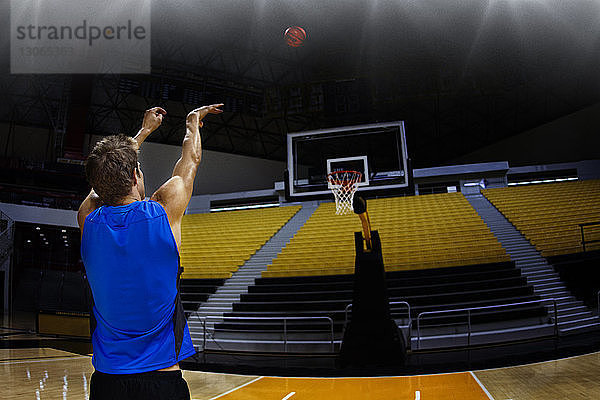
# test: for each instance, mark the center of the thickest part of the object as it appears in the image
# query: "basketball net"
(343, 184)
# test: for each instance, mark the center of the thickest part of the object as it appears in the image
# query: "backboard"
(378, 151)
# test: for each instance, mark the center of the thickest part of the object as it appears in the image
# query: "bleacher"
(215, 245)
(548, 215)
(425, 290)
(196, 291)
(417, 232)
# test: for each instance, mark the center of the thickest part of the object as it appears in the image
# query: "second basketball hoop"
(343, 184)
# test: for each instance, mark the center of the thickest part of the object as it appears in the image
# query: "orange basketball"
(294, 36)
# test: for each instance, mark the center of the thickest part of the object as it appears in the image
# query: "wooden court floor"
(53, 374)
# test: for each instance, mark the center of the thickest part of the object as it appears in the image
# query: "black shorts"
(153, 385)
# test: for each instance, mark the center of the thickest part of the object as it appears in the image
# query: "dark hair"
(110, 167)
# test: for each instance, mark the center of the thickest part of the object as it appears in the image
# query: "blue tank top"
(132, 265)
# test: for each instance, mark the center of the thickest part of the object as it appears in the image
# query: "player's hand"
(199, 113)
(153, 118)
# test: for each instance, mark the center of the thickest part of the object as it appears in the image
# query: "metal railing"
(468, 311)
(583, 241)
(285, 330)
(392, 304)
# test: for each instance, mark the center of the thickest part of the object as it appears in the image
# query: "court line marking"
(38, 358)
(361, 377)
(481, 385)
(540, 362)
(236, 388)
(43, 360)
(216, 373)
(289, 395)
(418, 395)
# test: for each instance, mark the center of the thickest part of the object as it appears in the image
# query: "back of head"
(110, 168)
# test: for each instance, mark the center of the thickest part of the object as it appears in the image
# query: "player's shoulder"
(172, 196)
(170, 188)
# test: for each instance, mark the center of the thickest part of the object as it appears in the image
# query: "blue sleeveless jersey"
(132, 264)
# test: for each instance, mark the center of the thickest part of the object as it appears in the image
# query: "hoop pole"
(366, 225)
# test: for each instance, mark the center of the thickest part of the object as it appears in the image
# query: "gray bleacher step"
(535, 268)
(588, 327)
(203, 314)
(226, 297)
(569, 308)
(214, 309)
(578, 322)
(522, 259)
(197, 325)
(551, 285)
(543, 280)
(232, 289)
(529, 261)
(538, 274)
(522, 253)
(574, 316)
(238, 281)
(552, 291)
(221, 302)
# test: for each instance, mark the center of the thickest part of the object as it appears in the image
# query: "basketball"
(294, 36)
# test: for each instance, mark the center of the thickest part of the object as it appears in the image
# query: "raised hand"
(153, 117)
(196, 116)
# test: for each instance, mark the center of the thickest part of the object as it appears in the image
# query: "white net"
(343, 184)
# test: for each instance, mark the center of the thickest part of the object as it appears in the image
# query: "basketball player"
(130, 249)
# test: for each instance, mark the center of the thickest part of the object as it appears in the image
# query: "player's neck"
(130, 198)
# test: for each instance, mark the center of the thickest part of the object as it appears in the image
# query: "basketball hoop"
(343, 184)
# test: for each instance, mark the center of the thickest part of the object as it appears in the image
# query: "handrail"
(583, 241)
(284, 319)
(392, 303)
(469, 309)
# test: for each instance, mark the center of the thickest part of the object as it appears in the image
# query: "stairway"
(222, 300)
(573, 315)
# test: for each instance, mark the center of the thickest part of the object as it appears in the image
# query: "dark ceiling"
(462, 74)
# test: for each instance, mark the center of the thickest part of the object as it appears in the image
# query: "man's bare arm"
(175, 194)
(152, 120)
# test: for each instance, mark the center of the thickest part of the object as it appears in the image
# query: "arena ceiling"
(462, 74)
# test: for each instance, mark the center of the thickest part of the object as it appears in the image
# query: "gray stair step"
(587, 327)
(232, 289)
(551, 285)
(233, 296)
(543, 280)
(213, 309)
(219, 303)
(578, 322)
(565, 317)
(567, 308)
(537, 274)
(552, 291)
(238, 281)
